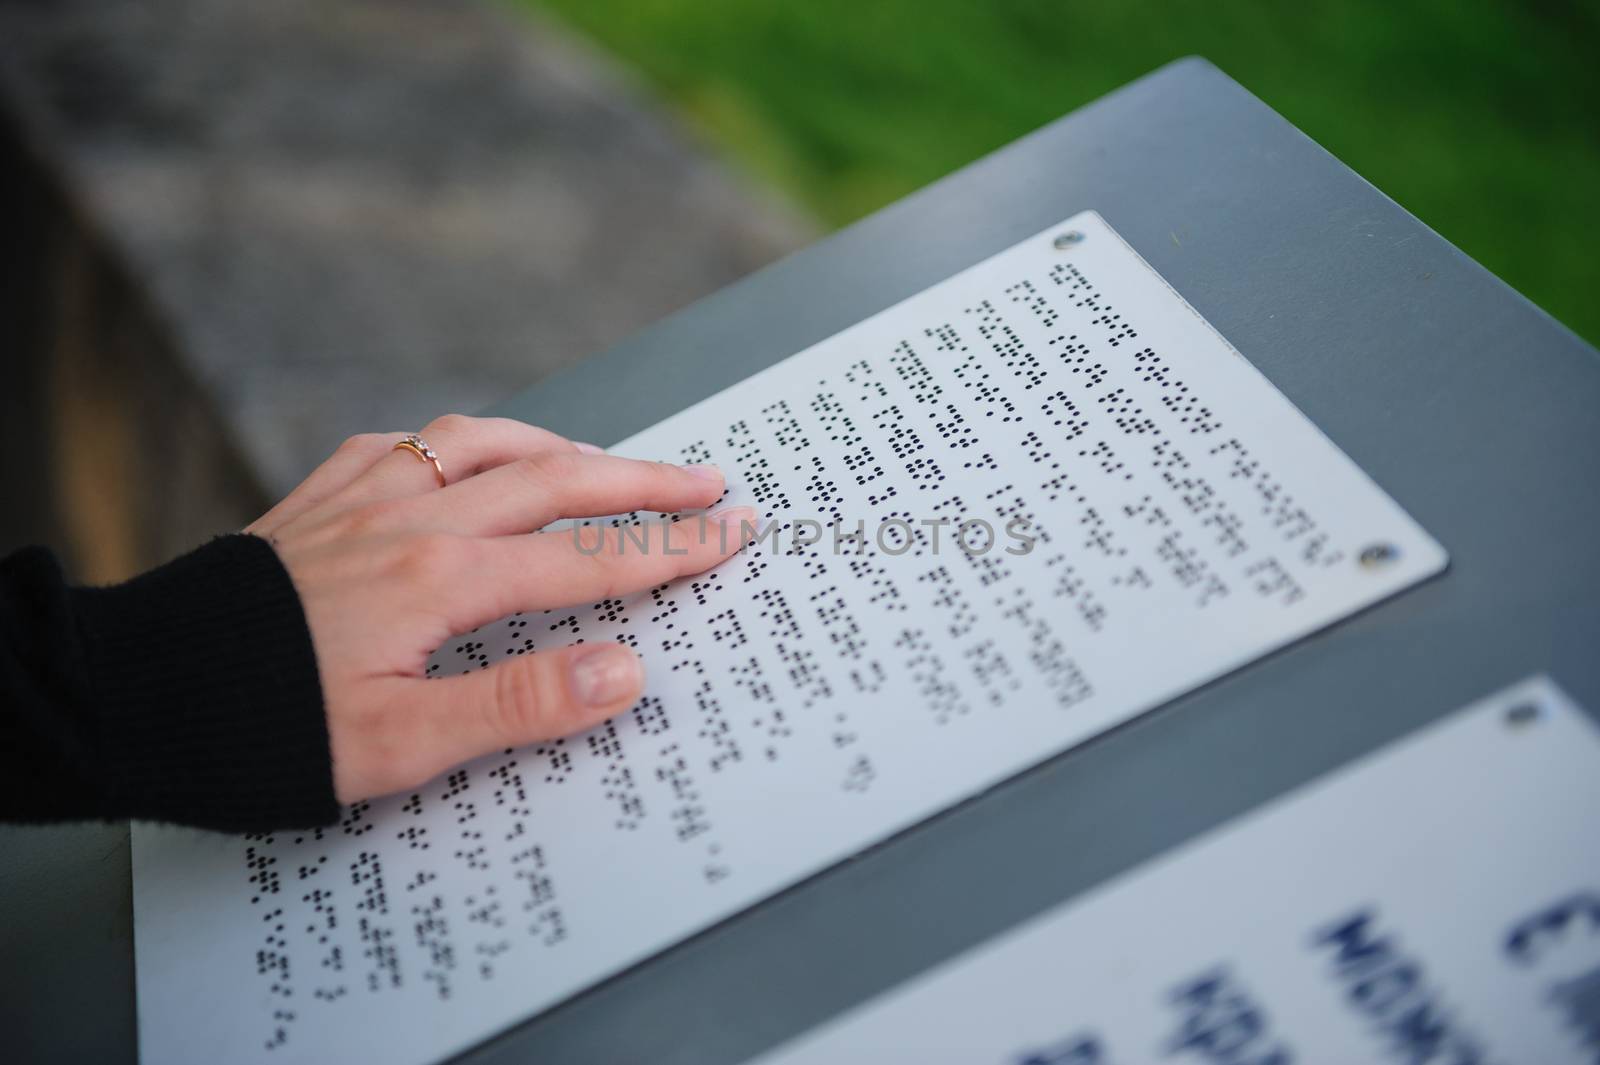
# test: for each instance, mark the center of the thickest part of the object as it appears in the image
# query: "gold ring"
(418, 447)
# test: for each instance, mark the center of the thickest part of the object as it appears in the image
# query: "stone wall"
(257, 228)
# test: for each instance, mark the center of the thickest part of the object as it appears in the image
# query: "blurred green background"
(1481, 118)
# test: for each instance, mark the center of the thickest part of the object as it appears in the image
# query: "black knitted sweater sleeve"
(188, 694)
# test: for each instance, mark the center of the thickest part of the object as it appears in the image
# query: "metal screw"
(1522, 714)
(1374, 556)
(1067, 239)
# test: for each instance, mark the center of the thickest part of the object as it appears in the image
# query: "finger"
(349, 460)
(465, 446)
(429, 726)
(528, 494)
(588, 563)
(524, 700)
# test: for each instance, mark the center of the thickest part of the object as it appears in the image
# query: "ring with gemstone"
(419, 447)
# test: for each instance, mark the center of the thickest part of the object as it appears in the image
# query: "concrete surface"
(356, 215)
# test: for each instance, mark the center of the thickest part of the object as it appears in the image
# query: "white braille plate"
(1438, 901)
(807, 702)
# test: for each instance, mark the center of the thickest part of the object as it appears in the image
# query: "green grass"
(1483, 119)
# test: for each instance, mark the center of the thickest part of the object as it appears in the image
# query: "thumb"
(540, 696)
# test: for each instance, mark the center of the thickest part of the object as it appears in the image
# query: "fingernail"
(705, 473)
(588, 449)
(606, 675)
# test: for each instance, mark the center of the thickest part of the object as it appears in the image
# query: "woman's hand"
(389, 566)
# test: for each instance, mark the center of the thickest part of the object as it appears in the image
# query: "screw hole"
(1375, 556)
(1522, 715)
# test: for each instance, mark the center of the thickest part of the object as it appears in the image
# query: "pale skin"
(389, 566)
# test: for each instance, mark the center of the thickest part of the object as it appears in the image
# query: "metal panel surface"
(1465, 402)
